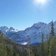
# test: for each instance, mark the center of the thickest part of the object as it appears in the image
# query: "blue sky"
(21, 14)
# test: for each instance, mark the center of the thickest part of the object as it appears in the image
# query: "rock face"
(30, 35)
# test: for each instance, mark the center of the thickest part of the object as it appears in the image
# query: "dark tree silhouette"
(42, 45)
(52, 29)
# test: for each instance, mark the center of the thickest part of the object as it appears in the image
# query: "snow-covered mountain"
(30, 35)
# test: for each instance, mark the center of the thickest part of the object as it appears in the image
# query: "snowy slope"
(30, 35)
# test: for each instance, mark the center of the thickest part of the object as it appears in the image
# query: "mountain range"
(30, 35)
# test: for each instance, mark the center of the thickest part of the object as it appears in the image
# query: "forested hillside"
(8, 48)
(45, 48)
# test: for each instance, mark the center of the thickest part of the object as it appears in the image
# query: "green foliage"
(6, 46)
(14, 53)
(9, 48)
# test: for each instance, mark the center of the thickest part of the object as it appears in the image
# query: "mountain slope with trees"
(45, 48)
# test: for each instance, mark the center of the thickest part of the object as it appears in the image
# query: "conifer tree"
(14, 53)
(52, 29)
(42, 45)
(50, 46)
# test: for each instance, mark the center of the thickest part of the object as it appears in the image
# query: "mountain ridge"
(29, 35)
